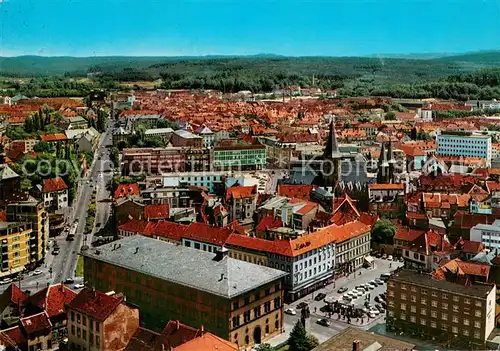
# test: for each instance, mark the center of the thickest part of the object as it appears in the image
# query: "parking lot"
(333, 292)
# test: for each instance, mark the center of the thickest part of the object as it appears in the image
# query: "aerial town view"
(249, 175)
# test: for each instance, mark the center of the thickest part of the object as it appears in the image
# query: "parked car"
(389, 258)
(290, 311)
(37, 272)
(347, 297)
(372, 314)
(384, 305)
(379, 307)
(374, 310)
(69, 281)
(384, 256)
(379, 281)
(320, 297)
(377, 299)
(55, 252)
(370, 286)
(324, 322)
(301, 305)
(5, 281)
(78, 286)
(372, 282)
(342, 290)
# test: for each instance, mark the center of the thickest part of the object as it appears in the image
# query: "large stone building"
(238, 301)
(459, 315)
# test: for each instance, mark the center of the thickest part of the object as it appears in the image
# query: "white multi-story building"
(207, 135)
(55, 193)
(464, 144)
(204, 179)
(488, 234)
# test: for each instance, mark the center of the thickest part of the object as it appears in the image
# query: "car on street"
(55, 252)
(374, 310)
(342, 290)
(78, 286)
(389, 258)
(347, 297)
(370, 286)
(373, 283)
(379, 282)
(320, 297)
(290, 311)
(377, 299)
(37, 272)
(301, 305)
(5, 281)
(371, 314)
(324, 322)
(384, 305)
(384, 256)
(69, 281)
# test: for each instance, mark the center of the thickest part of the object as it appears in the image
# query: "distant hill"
(394, 68)
(490, 58)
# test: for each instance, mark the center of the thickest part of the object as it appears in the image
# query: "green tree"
(298, 340)
(44, 147)
(265, 347)
(312, 341)
(383, 231)
(28, 125)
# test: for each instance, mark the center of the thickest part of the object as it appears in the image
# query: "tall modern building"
(27, 209)
(236, 300)
(238, 154)
(464, 144)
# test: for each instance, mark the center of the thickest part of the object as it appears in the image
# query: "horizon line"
(373, 55)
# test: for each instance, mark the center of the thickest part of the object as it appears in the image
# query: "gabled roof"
(37, 324)
(13, 296)
(207, 234)
(268, 222)
(176, 333)
(13, 337)
(241, 192)
(207, 342)
(161, 211)
(54, 184)
(95, 304)
(124, 190)
(295, 191)
(53, 137)
(7, 173)
(52, 299)
(407, 234)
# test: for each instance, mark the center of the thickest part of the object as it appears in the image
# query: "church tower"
(331, 160)
(385, 174)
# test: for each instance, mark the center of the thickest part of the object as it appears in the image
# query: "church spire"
(332, 147)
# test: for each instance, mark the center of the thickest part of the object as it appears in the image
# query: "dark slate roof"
(422, 279)
(185, 266)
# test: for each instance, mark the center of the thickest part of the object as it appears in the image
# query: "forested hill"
(28, 66)
(462, 77)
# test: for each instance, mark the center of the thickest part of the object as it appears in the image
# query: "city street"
(324, 333)
(59, 267)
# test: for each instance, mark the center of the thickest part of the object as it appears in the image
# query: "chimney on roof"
(220, 254)
(355, 345)
(202, 329)
(177, 325)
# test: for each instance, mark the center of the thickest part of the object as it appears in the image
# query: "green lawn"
(283, 348)
(79, 267)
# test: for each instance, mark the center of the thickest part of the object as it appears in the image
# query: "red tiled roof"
(308, 207)
(492, 186)
(175, 334)
(95, 304)
(52, 299)
(461, 270)
(470, 246)
(406, 234)
(386, 186)
(124, 190)
(207, 342)
(296, 191)
(54, 184)
(305, 243)
(236, 227)
(166, 229)
(241, 192)
(207, 234)
(36, 324)
(13, 337)
(415, 215)
(134, 226)
(156, 211)
(53, 137)
(12, 295)
(269, 222)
